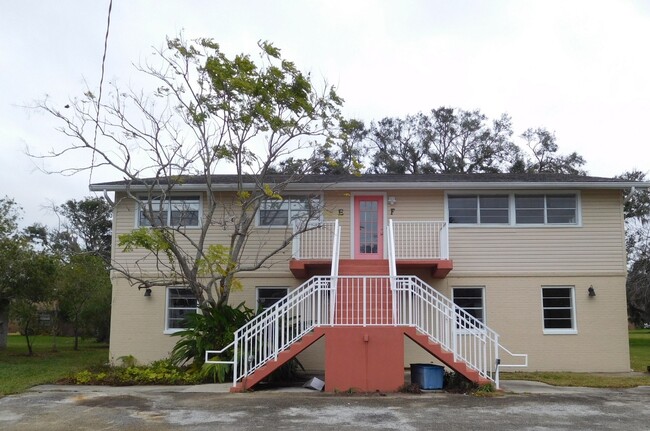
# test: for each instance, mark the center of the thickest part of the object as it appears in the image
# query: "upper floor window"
(282, 212)
(170, 211)
(514, 209)
(546, 209)
(478, 209)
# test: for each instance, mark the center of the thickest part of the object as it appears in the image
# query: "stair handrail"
(457, 331)
(277, 327)
(392, 264)
(415, 303)
(336, 249)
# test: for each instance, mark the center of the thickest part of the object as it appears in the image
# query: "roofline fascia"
(422, 185)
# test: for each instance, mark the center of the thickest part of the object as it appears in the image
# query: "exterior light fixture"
(392, 200)
(147, 292)
(591, 291)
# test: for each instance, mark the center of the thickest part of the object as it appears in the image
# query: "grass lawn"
(640, 349)
(18, 371)
(639, 361)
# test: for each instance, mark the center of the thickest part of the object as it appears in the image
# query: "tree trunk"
(29, 344)
(4, 323)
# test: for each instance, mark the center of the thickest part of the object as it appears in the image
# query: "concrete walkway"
(524, 406)
(508, 387)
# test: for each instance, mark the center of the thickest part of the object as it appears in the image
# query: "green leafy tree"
(208, 111)
(543, 157)
(400, 145)
(88, 221)
(12, 247)
(35, 275)
(447, 140)
(83, 292)
(637, 239)
(343, 156)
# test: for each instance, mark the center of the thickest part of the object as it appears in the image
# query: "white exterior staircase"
(429, 318)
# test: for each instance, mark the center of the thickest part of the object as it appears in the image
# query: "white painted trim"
(257, 293)
(167, 330)
(410, 185)
(512, 210)
(574, 321)
(171, 196)
(321, 198)
(352, 225)
(482, 287)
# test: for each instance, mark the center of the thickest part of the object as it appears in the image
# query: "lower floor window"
(267, 296)
(180, 302)
(558, 306)
(470, 299)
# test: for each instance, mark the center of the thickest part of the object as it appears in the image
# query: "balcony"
(420, 247)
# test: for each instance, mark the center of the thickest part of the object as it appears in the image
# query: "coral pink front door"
(368, 227)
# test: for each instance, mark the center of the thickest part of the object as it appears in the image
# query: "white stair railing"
(457, 331)
(415, 303)
(366, 301)
(278, 327)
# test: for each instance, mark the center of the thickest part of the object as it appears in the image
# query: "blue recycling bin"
(427, 376)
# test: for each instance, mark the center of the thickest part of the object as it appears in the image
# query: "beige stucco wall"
(512, 263)
(513, 307)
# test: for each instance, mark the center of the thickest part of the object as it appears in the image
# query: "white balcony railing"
(413, 240)
(317, 242)
(420, 239)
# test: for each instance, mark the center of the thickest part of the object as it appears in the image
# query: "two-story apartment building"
(461, 268)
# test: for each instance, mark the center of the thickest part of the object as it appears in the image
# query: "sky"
(578, 68)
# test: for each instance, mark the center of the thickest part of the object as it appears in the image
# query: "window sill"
(512, 225)
(560, 331)
(172, 331)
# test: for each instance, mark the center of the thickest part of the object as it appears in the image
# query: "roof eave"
(421, 185)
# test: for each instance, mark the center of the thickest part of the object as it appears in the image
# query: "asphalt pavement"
(522, 406)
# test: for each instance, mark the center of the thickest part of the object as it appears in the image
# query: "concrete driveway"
(525, 406)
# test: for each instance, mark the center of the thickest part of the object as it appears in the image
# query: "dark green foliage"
(162, 372)
(34, 278)
(543, 158)
(637, 241)
(456, 382)
(212, 329)
(447, 140)
(89, 221)
(84, 296)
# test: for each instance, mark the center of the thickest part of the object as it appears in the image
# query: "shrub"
(214, 328)
(162, 372)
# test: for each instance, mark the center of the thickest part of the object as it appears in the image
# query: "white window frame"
(169, 330)
(478, 197)
(144, 200)
(482, 289)
(259, 288)
(317, 219)
(546, 209)
(574, 324)
(512, 215)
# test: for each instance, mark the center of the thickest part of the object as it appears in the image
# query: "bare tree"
(208, 113)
